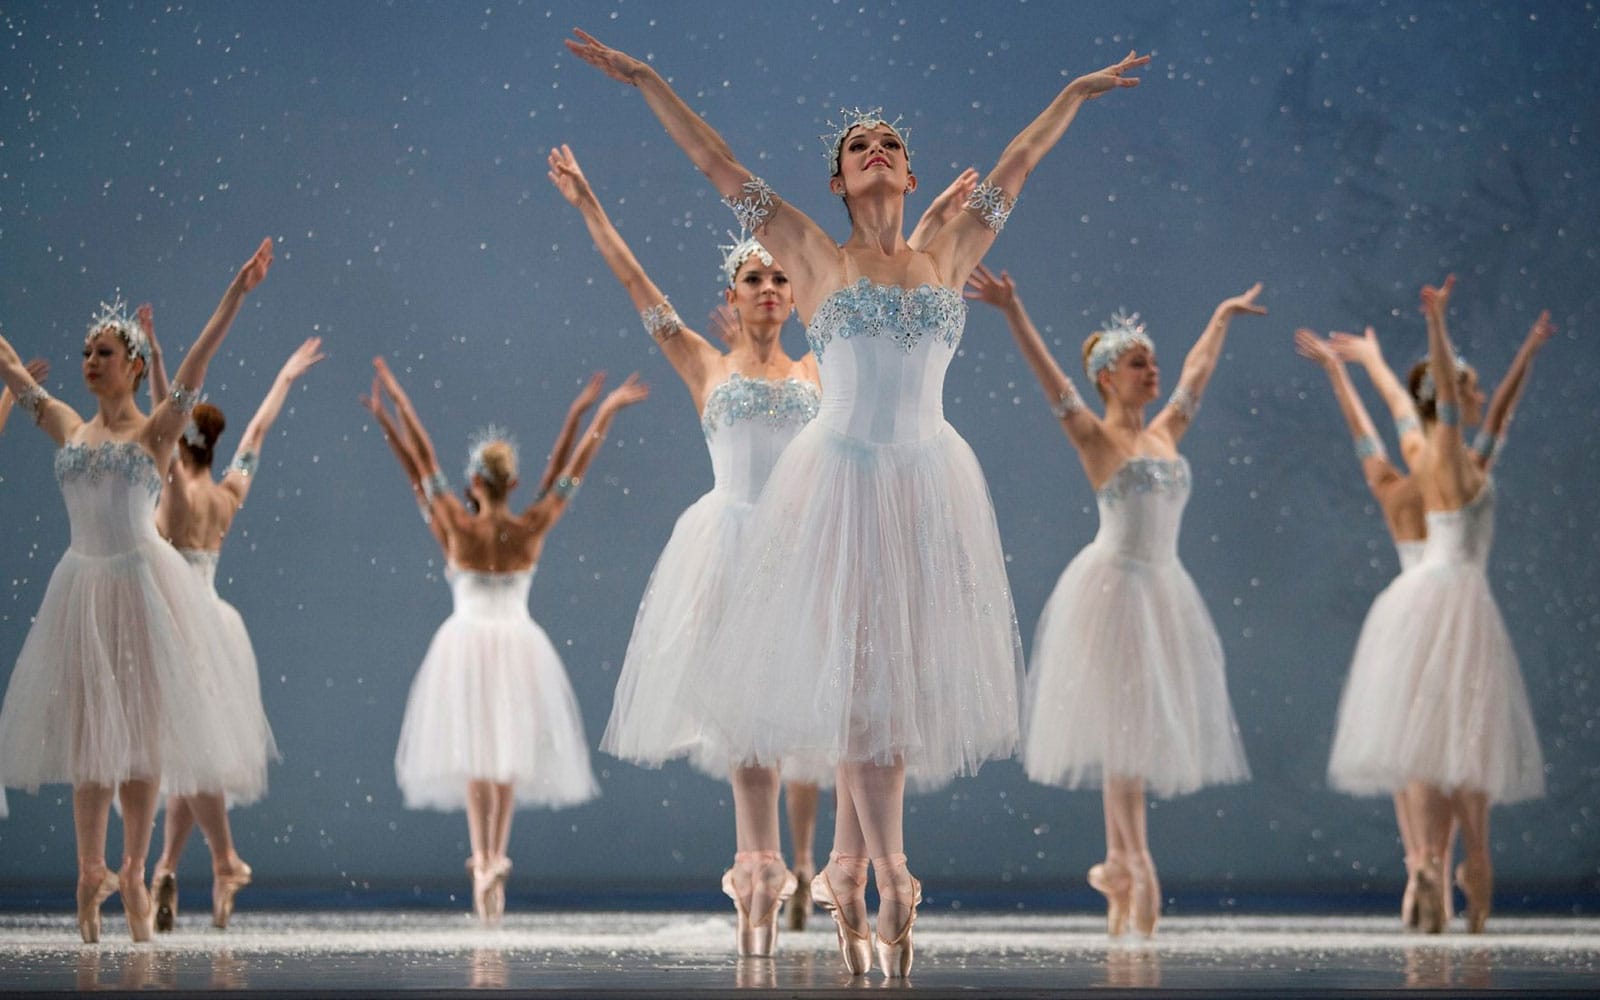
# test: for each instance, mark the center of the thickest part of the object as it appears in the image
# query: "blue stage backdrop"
(1342, 153)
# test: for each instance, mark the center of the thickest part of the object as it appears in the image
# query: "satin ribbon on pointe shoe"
(895, 956)
(223, 889)
(164, 887)
(89, 909)
(757, 938)
(855, 947)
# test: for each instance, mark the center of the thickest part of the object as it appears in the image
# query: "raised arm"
(1452, 471)
(550, 507)
(54, 417)
(691, 356)
(1178, 414)
(1506, 395)
(1375, 464)
(38, 369)
(806, 251)
(1368, 353)
(241, 472)
(1080, 423)
(145, 317)
(944, 208)
(561, 451)
(961, 244)
(435, 487)
(170, 416)
(395, 438)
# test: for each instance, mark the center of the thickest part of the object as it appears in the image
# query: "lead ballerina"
(877, 629)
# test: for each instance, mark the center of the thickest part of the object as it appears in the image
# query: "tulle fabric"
(116, 679)
(1435, 692)
(492, 702)
(1128, 675)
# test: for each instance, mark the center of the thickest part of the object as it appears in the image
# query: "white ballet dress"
(118, 676)
(491, 702)
(874, 618)
(1452, 710)
(747, 423)
(1127, 676)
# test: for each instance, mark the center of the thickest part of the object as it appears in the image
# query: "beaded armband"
(1069, 402)
(756, 207)
(566, 487)
(184, 397)
(1407, 424)
(991, 205)
(661, 321)
(435, 486)
(1185, 402)
(1449, 414)
(1486, 444)
(32, 400)
(244, 463)
(1368, 446)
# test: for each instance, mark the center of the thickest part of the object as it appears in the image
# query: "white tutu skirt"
(1435, 694)
(126, 673)
(492, 703)
(871, 619)
(1128, 680)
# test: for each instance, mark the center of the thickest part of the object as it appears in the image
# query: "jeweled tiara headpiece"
(858, 118)
(481, 439)
(1427, 391)
(114, 317)
(741, 250)
(1121, 333)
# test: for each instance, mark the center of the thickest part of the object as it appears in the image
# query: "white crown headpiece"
(1122, 332)
(481, 439)
(114, 316)
(740, 250)
(858, 118)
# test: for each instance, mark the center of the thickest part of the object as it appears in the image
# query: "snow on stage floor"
(676, 954)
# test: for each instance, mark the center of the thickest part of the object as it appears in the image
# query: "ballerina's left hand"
(984, 286)
(1246, 303)
(1092, 85)
(613, 63)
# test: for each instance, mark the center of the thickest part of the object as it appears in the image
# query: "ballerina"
(112, 690)
(1127, 689)
(1456, 733)
(195, 514)
(751, 400)
(876, 627)
(491, 722)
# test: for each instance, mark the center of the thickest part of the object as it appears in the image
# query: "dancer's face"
(1136, 379)
(108, 368)
(873, 158)
(761, 293)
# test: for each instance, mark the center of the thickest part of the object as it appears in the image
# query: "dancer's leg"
(175, 830)
(1476, 874)
(210, 811)
(1113, 878)
(505, 804)
(139, 798)
(759, 874)
(1431, 820)
(1125, 798)
(1410, 844)
(91, 811)
(480, 822)
(801, 798)
(878, 793)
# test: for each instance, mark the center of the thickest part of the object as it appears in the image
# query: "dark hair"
(1428, 409)
(209, 422)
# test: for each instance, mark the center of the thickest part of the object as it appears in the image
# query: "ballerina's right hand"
(1360, 350)
(727, 324)
(255, 269)
(567, 176)
(631, 391)
(613, 63)
(39, 368)
(1308, 345)
(984, 286)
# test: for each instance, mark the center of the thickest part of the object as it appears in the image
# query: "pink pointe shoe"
(223, 889)
(757, 935)
(1111, 880)
(164, 887)
(92, 892)
(855, 946)
(895, 956)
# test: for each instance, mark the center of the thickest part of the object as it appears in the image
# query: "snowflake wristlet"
(33, 400)
(990, 203)
(661, 321)
(755, 206)
(1368, 446)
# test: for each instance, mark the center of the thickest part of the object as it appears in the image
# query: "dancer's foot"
(95, 886)
(497, 899)
(137, 905)
(225, 884)
(899, 895)
(1477, 884)
(1146, 894)
(164, 886)
(759, 884)
(1110, 878)
(1408, 899)
(1430, 898)
(483, 885)
(840, 889)
(799, 906)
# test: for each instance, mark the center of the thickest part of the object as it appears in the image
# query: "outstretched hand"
(1308, 345)
(589, 393)
(566, 175)
(1094, 84)
(255, 269)
(984, 286)
(613, 63)
(38, 370)
(145, 315)
(372, 400)
(727, 324)
(1246, 304)
(304, 356)
(1436, 300)
(1542, 330)
(631, 391)
(1361, 350)
(953, 199)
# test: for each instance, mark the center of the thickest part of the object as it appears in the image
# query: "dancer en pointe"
(491, 722)
(1455, 733)
(876, 627)
(111, 690)
(751, 400)
(1127, 688)
(195, 514)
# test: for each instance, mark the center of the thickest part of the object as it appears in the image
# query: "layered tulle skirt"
(871, 619)
(1435, 694)
(129, 672)
(492, 703)
(1128, 680)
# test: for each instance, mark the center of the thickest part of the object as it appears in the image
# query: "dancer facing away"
(491, 722)
(113, 690)
(752, 400)
(195, 515)
(876, 627)
(1127, 688)
(38, 369)
(1457, 734)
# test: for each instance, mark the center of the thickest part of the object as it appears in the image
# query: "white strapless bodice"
(1141, 508)
(1410, 552)
(882, 352)
(1463, 535)
(748, 422)
(110, 491)
(204, 562)
(489, 595)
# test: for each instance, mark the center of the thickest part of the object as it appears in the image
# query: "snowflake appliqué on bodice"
(779, 402)
(125, 459)
(1143, 474)
(905, 315)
